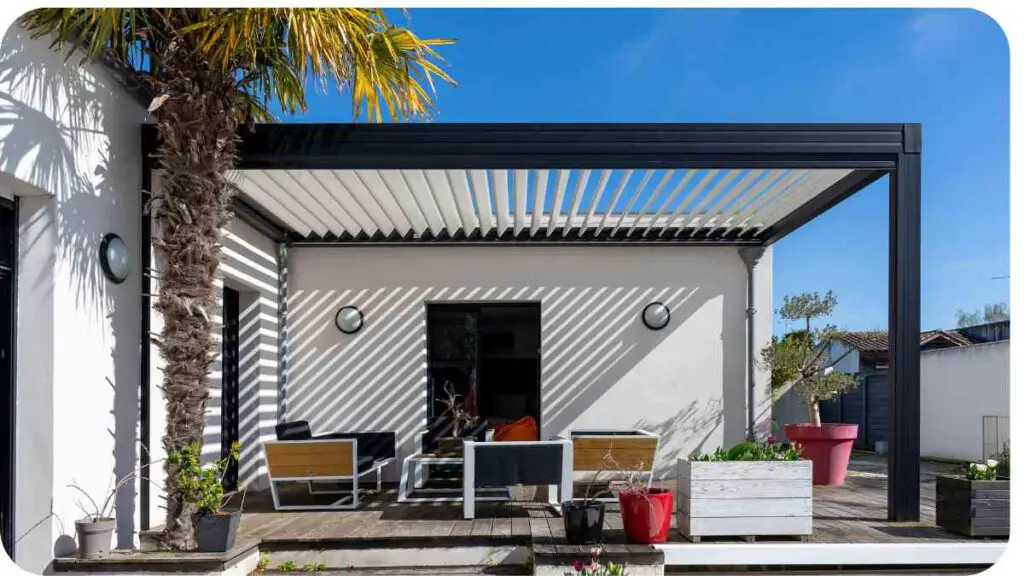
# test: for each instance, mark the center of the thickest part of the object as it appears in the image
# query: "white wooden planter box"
(748, 499)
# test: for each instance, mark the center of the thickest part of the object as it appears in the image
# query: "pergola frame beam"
(869, 150)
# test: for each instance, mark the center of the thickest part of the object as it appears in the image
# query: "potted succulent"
(452, 445)
(801, 360)
(202, 485)
(646, 511)
(977, 501)
(752, 489)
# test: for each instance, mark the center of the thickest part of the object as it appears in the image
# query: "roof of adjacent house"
(879, 341)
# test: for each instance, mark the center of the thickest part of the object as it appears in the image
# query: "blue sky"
(948, 69)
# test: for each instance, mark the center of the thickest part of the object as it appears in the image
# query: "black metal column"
(145, 245)
(904, 332)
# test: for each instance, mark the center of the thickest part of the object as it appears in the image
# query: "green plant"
(595, 567)
(201, 484)
(800, 359)
(263, 562)
(770, 449)
(286, 566)
(1003, 463)
(996, 468)
(213, 71)
(314, 567)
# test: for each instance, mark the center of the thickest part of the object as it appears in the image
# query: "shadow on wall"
(595, 350)
(61, 128)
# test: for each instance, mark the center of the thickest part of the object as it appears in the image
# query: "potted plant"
(95, 530)
(584, 517)
(452, 445)
(801, 359)
(977, 501)
(202, 485)
(752, 489)
(646, 511)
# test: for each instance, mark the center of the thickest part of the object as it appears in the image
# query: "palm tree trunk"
(197, 127)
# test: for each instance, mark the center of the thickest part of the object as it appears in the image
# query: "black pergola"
(830, 162)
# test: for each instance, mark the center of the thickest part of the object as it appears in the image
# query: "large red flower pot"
(828, 446)
(646, 519)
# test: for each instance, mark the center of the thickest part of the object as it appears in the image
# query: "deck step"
(557, 559)
(501, 559)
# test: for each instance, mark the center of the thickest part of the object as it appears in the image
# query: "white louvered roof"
(651, 204)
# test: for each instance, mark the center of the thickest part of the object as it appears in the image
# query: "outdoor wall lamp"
(349, 319)
(656, 315)
(114, 258)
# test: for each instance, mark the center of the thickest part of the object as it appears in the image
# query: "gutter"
(751, 255)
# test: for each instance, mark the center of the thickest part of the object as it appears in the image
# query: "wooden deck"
(855, 512)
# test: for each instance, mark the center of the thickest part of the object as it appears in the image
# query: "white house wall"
(600, 366)
(960, 386)
(69, 153)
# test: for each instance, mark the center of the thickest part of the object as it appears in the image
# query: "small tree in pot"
(584, 517)
(646, 511)
(203, 486)
(452, 445)
(801, 360)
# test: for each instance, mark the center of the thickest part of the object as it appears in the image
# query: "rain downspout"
(751, 255)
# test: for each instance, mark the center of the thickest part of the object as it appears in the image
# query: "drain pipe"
(751, 255)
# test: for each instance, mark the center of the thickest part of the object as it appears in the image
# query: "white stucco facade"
(69, 153)
(600, 366)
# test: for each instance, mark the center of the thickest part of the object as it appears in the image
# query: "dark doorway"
(8, 277)
(229, 385)
(489, 354)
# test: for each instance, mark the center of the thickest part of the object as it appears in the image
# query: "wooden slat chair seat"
(308, 460)
(323, 459)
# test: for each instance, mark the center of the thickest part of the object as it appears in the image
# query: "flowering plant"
(595, 568)
(991, 469)
(769, 449)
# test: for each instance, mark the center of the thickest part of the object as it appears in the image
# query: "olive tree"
(801, 359)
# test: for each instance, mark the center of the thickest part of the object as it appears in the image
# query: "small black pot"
(216, 532)
(584, 521)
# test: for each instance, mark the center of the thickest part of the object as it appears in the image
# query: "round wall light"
(114, 258)
(349, 319)
(656, 315)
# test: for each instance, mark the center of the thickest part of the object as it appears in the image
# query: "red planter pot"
(828, 446)
(646, 519)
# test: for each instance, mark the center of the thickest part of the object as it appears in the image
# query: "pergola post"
(904, 331)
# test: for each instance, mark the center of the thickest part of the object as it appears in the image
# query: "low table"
(414, 465)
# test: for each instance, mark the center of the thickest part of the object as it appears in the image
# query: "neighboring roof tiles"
(879, 341)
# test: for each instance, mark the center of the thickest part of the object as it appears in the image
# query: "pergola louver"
(368, 205)
(638, 184)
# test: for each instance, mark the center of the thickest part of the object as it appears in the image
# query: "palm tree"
(213, 70)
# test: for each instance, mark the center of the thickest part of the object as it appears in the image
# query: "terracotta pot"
(646, 518)
(828, 446)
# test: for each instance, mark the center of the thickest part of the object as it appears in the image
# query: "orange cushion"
(524, 429)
